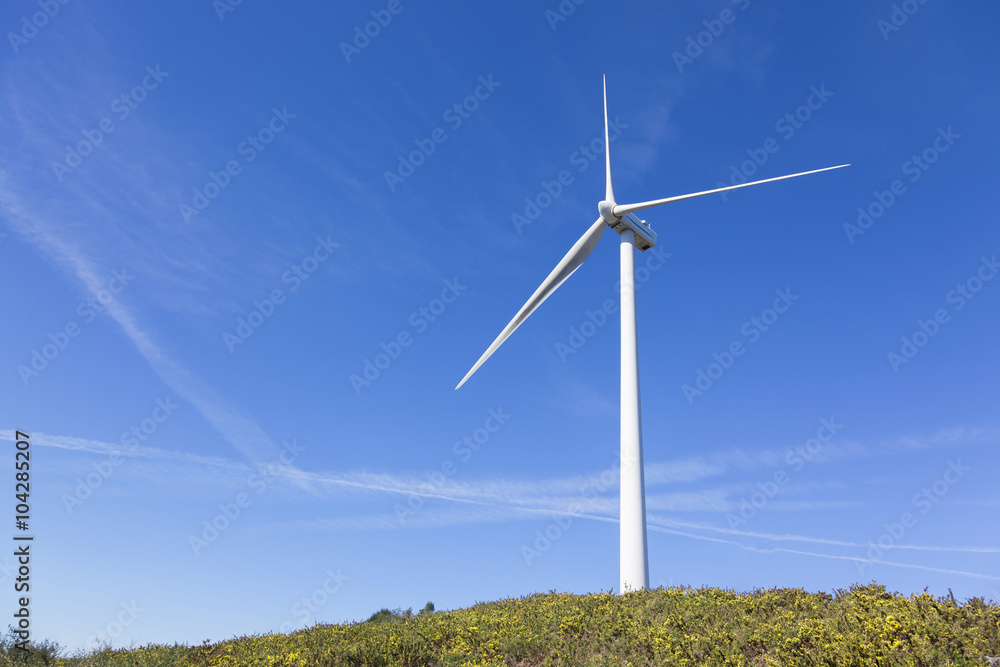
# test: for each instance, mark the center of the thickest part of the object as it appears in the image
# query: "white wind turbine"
(634, 232)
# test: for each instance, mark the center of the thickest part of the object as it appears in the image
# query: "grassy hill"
(862, 626)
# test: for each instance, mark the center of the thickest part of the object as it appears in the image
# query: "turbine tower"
(634, 233)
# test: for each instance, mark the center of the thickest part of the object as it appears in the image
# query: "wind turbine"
(634, 232)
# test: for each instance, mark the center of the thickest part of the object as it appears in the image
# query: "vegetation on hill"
(859, 627)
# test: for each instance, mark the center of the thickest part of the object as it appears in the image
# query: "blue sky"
(203, 256)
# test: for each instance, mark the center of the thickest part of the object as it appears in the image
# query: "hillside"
(862, 626)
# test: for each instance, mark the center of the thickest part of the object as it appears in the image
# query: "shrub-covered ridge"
(864, 626)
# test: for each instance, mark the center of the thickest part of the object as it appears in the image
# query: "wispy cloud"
(485, 501)
(772, 537)
(948, 437)
(231, 422)
(550, 494)
(62, 221)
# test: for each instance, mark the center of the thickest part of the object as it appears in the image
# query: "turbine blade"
(632, 208)
(609, 192)
(571, 262)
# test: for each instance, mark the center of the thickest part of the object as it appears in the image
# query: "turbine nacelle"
(645, 238)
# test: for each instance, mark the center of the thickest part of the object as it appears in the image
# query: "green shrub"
(36, 653)
(858, 627)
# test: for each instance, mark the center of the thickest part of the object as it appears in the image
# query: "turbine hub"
(645, 238)
(607, 211)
